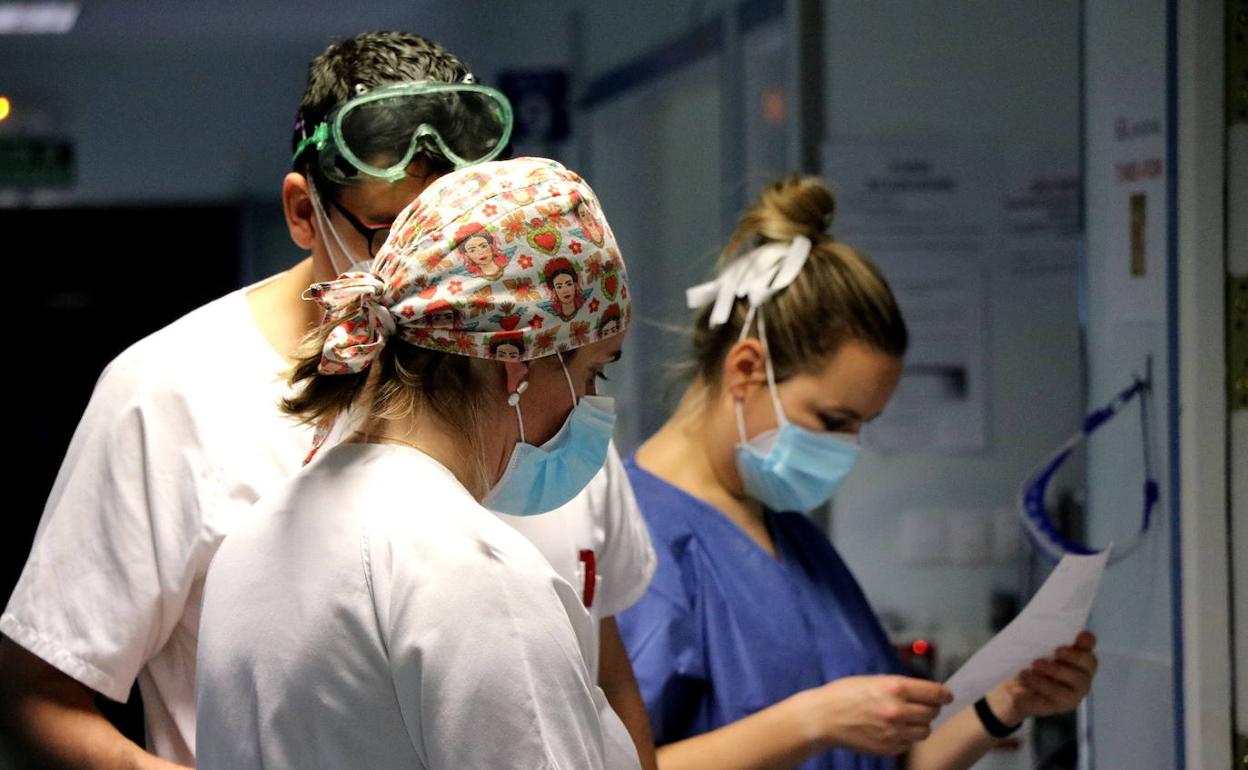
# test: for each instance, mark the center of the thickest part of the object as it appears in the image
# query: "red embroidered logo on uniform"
(589, 568)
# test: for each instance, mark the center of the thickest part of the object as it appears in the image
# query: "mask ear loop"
(322, 220)
(745, 329)
(513, 401)
(568, 377)
(781, 420)
(771, 373)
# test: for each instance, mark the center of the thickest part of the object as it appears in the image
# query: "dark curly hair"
(370, 60)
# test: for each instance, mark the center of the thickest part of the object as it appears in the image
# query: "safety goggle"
(376, 134)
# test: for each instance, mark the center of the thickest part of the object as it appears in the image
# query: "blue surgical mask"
(795, 469)
(791, 468)
(542, 478)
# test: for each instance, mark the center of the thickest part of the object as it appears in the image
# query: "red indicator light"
(919, 647)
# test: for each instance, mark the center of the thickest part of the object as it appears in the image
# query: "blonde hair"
(839, 294)
(405, 382)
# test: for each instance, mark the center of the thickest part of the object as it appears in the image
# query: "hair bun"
(805, 203)
(799, 205)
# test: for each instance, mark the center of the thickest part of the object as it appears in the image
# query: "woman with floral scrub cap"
(754, 646)
(377, 614)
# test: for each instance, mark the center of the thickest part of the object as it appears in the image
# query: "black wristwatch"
(995, 727)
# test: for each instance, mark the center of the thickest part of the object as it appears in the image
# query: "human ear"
(515, 372)
(744, 368)
(297, 206)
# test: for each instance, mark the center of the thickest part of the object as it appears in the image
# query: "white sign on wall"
(927, 214)
(1134, 128)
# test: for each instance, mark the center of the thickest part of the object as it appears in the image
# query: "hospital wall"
(1004, 75)
(1132, 705)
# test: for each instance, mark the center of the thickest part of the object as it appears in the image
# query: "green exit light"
(29, 162)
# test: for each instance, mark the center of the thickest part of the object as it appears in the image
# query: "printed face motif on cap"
(563, 283)
(509, 260)
(611, 322)
(508, 346)
(441, 314)
(588, 221)
(479, 252)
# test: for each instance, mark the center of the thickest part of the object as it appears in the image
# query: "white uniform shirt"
(372, 614)
(181, 436)
(598, 543)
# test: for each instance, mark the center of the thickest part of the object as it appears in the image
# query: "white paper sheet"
(1054, 617)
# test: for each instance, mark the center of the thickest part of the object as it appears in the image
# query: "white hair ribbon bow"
(758, 275)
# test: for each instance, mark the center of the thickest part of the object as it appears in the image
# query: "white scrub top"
(598, 543)
(181, 437)
(372, 614)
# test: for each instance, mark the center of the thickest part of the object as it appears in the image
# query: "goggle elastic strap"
(320, 135)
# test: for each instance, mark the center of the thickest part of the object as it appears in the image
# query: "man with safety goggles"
(404, 135)
(174, 447)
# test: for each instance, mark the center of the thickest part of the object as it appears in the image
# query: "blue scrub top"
(726, 630)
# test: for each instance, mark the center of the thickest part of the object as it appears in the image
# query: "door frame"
(1197, 330)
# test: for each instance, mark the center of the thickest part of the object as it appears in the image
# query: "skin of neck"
(695, 450)
(433, 437)
(452, 446)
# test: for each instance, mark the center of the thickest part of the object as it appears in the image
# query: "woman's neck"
(687, 452)
(430, 436)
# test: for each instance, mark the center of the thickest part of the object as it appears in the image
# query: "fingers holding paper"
(875, 714)
(1051, 685)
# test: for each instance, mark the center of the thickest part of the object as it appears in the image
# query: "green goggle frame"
(377, 134)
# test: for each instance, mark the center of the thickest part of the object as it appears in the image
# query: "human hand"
(882, 714)
(1049, 685)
